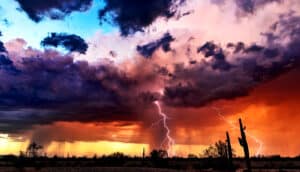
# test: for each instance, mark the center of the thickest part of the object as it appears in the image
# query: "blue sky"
(18, 25)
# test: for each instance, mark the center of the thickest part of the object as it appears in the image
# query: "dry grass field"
(136, 164)
(87, 169)
(125, 169)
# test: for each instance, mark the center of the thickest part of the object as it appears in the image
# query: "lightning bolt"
(258, 141)
(170, 141)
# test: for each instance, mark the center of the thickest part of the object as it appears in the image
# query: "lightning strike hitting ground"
(259, 142)
(170, 141)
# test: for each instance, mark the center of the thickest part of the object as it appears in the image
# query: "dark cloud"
(247, 6)
(54, 9)
(148, 49)
(271, 52)
(48, 87)
(6, 65)
(4, 61)
(199, 85)
(254, 48)
(250, 6)
(238, 47)
(241, 48)
(72, 43)
(210, 49)
(134, 15)
(2, 48)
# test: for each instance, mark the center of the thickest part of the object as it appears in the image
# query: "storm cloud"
(55, 9)
(250, 65)
(134, 15)
(47, 87)
(2, 48)
(73, 43)
(250, 6)
(210, 49)
(247, 6)
(148, 49)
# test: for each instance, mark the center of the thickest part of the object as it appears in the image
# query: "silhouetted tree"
(158, 154)
(22, 154)
(192, 156)
(95, 156)
(219, 150)
(117, 155)
(210, 152)
(158, 158)
(20, 162)
(33, 150)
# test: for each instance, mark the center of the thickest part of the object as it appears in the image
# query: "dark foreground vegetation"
(117, 160)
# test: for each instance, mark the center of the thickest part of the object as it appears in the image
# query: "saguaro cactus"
(229, 150)
(244, 144)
